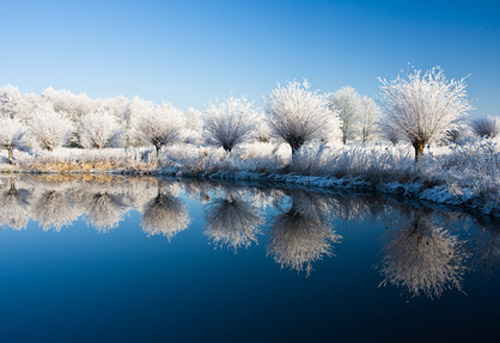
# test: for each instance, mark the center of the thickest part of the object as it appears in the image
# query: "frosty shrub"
(347, 102)
(422, 107)
(50, 129)
(486, 127)
(100, 130)
(229, 122)
(161, 126)
(12, 136)
(298, 115)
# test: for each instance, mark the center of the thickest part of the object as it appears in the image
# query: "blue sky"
(188, 52)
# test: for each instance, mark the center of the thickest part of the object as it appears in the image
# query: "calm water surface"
(144, 259)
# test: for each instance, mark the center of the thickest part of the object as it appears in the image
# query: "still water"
(146, 259)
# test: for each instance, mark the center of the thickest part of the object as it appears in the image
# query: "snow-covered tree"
(75, 106)
(229, 122)
(12, 136)
(486, 127)
(298, 115)
(50, 129)
(347, 103)
(136, 109)
(369, 114)
(11, 102)
(161, 126)
(422, 107)
(262, 130)
(194, 126)
(100, 130)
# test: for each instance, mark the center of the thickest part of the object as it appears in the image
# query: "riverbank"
(466, 176)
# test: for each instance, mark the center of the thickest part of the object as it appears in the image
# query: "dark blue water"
(117, 259)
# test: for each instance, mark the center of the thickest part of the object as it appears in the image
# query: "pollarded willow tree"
(161, 126)
(100, 130)
(486, 127)
(422, 107)
(229, 122)
(12, 136)
(50, 129)
(368, 116)
(298, 115)
(347, 102)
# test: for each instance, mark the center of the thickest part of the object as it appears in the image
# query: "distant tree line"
(420, 108)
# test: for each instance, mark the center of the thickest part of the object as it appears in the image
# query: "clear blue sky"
(188, 52)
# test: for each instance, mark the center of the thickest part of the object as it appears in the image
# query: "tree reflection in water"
(105, 211)
(54, 209)
(165, 214)
(303, 234)
(423, 259)
(232, 222)
(14, 209)
(421, 255)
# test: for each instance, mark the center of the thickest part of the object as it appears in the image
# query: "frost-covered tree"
(136, 109)
(100, 130)
(75, 106)
(161, 126)
(229, 122)
(298, 115)
(347, 103)
(11, 102)
(12, 136)
(389, 133)
(232, 222)
(421, 107)
(486, 127)
(369, 114)
(194, 126)
(50, 129)
(262, 130)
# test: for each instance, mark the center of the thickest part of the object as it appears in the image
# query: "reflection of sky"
(188, 52)
(127, 285)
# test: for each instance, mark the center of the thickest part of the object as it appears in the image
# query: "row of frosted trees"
(421, 108)
(421, 254)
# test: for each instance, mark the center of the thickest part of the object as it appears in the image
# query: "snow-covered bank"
(467, 176)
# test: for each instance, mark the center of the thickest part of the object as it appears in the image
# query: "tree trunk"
(11, 155)
(296, 144)
(12, 189)
(419, 146)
